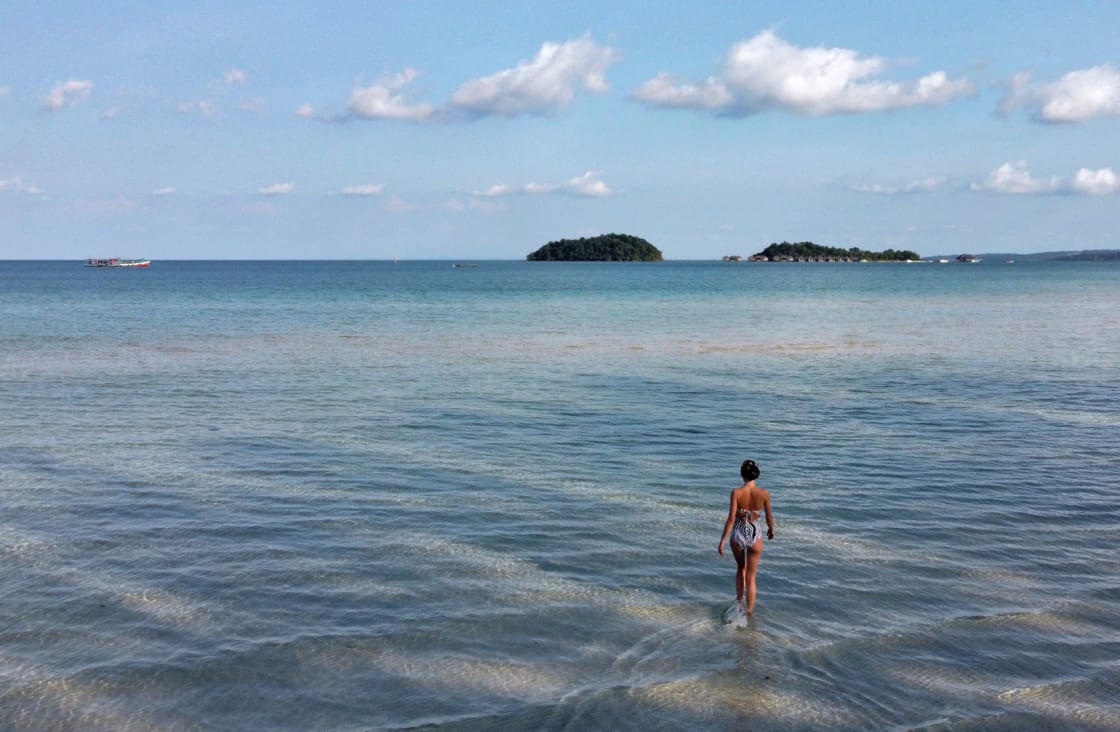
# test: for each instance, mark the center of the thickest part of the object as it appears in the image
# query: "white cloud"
(540, 188)
(540, 86)
(306, 111)
(1075, 97)
(203, 108)
(485, 206)
(1017, 178)
(588, 184)
(1095, 182)
(277, 189)
(766, 72)
(664, 90)
(925, 185)
(498, 189)
(1018, 93)
(235, 76)
(369, 189)
(161, 192)
(396, 204)
(19, 185)
(67, 94)
(386, 100)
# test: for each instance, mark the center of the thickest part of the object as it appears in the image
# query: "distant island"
(807, 251)
(1100, 255)
(605, 248)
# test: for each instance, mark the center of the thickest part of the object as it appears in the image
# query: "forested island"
(807, 251)
(604, 248)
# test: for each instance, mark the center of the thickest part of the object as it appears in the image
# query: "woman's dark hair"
(749, 471)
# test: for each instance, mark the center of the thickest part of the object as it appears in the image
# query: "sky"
(483, 130)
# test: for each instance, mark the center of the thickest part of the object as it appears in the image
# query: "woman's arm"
(728, 524)
(769, 517)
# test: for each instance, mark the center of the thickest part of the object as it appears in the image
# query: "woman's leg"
(740, 572)
(751, 570)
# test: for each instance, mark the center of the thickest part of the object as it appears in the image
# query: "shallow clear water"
(359, 495)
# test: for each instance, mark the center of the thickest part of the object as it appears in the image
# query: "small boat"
(117, 262)
(459, 265)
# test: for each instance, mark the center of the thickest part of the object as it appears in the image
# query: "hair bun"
(749, 470)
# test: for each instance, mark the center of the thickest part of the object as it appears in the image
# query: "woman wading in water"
(748, 501)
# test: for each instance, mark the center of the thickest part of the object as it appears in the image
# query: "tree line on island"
(808, 251)
(605, 248)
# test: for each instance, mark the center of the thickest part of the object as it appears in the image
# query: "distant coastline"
(1073, 255)
(808, 252)
(1083, 255)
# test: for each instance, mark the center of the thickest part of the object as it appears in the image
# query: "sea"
(367, 495)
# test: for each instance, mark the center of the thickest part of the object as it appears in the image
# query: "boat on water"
(117, 262)
(969, 259)
(463, 265)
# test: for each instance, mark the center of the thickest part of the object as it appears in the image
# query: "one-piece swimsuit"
(746, 532)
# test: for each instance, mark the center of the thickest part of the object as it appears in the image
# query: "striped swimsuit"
(746, 531)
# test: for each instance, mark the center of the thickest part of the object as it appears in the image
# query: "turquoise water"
(359, 495)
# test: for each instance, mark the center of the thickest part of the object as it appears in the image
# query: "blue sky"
(279, 130)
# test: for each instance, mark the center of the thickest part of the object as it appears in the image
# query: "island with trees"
(604, 248)
(807, 251)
